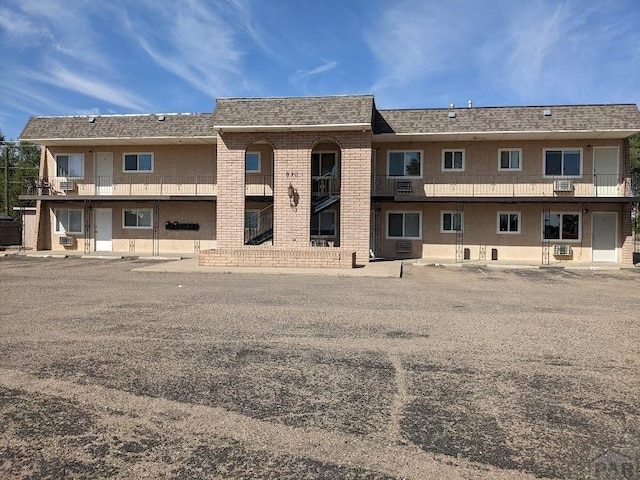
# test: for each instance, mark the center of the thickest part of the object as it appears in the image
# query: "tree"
(634, 150)
(23, 160)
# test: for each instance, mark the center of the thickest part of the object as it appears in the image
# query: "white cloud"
(412, 40)
(91, 86)
(513, 52)
(195, 43)
(300, 79)
(56, 28)
(325, 67)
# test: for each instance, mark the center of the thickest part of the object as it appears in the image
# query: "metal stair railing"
(325, 191)
(265, 225)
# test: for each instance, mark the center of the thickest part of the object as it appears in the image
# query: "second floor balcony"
(505, 186)
(141, 185)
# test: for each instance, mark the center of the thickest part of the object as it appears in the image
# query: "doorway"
(604, 231)
(104, 223)
(104, 174)
(605, 171)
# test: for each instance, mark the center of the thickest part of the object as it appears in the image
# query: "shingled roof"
(621, 118)
(348, 111)
(159, 128)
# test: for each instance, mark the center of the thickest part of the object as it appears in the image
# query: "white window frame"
(509, 169)
(451, 212)
(81, 157)
(564, 240)
(453, 151)
(420, 152)
(404, 213)
(563, 150)
(509, 232)
(137, 170)
(259, 162)
(57, 213)
(144, 227)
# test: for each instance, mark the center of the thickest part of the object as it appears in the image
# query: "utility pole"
(6, 179)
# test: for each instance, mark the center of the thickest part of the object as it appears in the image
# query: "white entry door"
(605, 228)
(104, 174)
(103, 229)
(605, 171)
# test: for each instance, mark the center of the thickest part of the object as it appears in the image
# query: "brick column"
(231, 190)
(292, 165)
(355, 194)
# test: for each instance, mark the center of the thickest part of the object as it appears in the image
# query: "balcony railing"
(456, 185)
(258, 185)
(134, 185)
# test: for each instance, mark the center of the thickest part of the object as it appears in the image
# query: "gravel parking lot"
(446, 373)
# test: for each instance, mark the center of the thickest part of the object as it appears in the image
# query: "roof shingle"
(294, 111)
(120, 126)
(509, 119)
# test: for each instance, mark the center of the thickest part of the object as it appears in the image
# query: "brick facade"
(277, 257)
(292, 166)
(198, 175)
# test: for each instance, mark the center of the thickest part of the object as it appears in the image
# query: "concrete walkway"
(387, 269)
(507, 265)
(185, 263)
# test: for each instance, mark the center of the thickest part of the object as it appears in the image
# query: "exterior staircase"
(264, 231)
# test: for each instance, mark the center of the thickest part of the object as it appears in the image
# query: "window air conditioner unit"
(562, 250)
(67, 241)
(404, 187)
(403, 246)
(67, 186)
(562, 186)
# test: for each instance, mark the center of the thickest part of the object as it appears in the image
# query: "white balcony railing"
(456, 185)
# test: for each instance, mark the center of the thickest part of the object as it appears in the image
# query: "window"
(138, 162)
(404, 164)
(404, 225)
(70, 165)
(509, 159)
(323, 223)
(69, 220)
(323, 163)
(138, 218)
(561, 226)
(508, 222)
(566, 162)
(450, 222)
(453, 160)
(252, 162)
(251, 219)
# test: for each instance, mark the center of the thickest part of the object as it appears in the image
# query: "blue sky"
(68, 57)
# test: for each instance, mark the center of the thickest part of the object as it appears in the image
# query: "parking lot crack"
(400, 399)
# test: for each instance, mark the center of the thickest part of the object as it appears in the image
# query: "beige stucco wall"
(173, 165)
(480, 222)
(481, 158)
(30, 228)
(140, 241)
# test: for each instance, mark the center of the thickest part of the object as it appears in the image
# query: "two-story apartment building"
(329, 181)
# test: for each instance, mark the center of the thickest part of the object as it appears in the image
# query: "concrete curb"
(497, 266)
